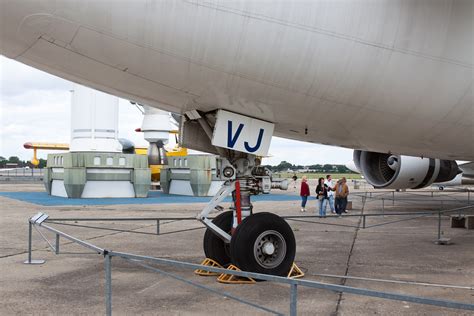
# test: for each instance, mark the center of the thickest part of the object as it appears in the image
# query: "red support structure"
(238, 208)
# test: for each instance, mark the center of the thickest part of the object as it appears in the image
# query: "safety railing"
(22, 172)
(40, 221)
(441, 197)
(312, 219)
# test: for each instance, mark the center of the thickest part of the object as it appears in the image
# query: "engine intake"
(387, 171)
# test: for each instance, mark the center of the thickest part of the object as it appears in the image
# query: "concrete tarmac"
(73, 281)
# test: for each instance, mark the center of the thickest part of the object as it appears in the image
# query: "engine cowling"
(388, 171)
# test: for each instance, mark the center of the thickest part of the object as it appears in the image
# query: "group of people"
(327, 193)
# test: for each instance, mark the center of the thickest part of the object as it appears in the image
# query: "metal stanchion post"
(293, 299)
(57, 244)
(439, 225)
(30, 233)
(30, 237)
(393, 198)
(363, 221)
(108, 284)
(158, 227)
(441, 240)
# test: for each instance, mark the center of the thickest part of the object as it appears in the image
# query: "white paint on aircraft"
(383, 76)
(242, 133)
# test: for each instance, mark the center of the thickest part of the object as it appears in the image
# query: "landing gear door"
(242, 133)
(192, 136)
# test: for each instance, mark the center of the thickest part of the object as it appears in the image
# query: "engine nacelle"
(458, 180)
(388, 171)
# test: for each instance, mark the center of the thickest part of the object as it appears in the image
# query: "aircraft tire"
(214, 247)
(263, 243)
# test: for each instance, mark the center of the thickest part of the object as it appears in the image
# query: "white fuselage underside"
(387, 76)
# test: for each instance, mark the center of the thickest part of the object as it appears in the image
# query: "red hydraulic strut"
(238, 207)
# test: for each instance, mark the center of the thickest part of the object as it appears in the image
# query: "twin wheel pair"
(261, 243)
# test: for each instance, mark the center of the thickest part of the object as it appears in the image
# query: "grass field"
(288, 175)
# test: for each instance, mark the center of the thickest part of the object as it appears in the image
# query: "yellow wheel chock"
(233, 279)
(295, 272)
(208, 263)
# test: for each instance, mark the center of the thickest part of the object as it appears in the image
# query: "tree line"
(20, 163)
(281, 167)
(326, 168)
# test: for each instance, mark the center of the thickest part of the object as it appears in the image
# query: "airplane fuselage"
(386, 76)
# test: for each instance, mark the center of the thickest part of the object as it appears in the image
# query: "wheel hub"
(269, 249)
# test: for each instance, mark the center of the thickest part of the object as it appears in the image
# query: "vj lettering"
(232, 138)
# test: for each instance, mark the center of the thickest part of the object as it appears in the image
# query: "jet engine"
(389, 171)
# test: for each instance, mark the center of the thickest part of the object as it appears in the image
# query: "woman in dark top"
(304, 193)
(294, 180)
(322, 195)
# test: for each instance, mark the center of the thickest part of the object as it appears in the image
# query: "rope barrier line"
(131, 231)
(395, 281)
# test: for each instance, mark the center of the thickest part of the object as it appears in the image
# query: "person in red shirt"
(304, 193)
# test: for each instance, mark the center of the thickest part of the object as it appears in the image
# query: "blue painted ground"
(154, 197)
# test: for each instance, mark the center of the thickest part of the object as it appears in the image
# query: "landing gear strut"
(261, 242)
(214, 246)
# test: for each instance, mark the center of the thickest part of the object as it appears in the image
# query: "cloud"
(301, 153)
(129, 119)
(17, 79)
(35, 106)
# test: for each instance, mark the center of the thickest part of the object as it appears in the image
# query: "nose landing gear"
(260, 242)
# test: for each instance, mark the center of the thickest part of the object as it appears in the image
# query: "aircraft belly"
(380, 79)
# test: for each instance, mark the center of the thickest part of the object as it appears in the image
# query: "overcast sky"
(34, 106)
